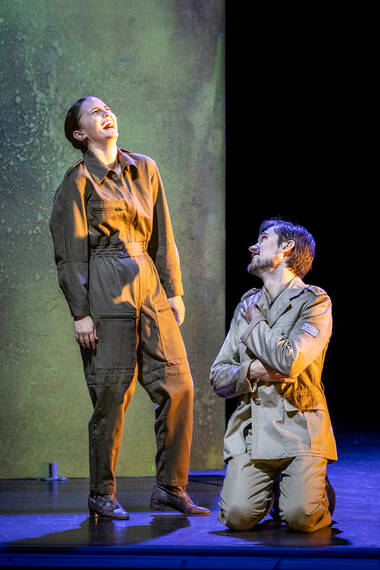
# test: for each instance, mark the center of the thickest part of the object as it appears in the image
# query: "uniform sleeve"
(68, 226)
(228, 376)
(162, 247)
(292, 353)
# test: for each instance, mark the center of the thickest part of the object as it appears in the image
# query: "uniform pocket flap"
(289, 407)
(117, 205)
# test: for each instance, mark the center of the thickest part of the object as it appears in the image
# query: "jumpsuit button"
(257, 401)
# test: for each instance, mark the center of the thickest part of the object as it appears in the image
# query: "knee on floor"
(297, 517)
(241, 516)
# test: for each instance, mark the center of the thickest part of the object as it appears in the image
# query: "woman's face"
(97, 123)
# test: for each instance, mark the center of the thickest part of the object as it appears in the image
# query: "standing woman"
(119, 270)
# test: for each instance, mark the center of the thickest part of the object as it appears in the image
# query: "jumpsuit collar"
(100, 170)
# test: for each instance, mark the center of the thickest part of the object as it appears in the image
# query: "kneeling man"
(279, 439)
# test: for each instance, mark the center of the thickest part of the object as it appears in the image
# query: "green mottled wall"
(159, 65)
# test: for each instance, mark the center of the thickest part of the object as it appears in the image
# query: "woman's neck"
(106, 154)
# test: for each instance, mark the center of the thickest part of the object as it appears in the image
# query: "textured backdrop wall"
(159, 65)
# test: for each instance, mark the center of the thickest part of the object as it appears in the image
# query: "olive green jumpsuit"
(117, 261)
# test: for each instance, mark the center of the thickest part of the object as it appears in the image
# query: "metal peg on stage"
(53, 473)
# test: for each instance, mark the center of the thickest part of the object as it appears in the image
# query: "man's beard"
(260, 266)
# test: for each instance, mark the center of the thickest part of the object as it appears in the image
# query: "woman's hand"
(178, 309)
(85, 332)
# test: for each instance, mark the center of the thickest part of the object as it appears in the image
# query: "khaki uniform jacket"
(278, 420)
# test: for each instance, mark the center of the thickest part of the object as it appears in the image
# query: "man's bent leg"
(246, 495)
(303, 501)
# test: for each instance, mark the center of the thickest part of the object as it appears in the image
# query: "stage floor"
(45, 524)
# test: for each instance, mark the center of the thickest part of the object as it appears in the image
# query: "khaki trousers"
(247, 492)
(138, 339)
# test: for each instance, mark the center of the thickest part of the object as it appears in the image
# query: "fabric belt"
(131, 249)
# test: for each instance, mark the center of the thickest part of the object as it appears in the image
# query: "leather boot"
(106, 506)
(176, 498)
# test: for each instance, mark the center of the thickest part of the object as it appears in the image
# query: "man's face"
(266, 253)
(97, 123)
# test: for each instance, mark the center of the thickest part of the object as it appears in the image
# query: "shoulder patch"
(310, 329)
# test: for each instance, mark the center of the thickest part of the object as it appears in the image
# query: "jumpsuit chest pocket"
(112, 210)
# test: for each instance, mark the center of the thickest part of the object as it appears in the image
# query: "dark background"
(298, 104)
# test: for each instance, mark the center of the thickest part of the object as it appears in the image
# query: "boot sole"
(95, 515)
(162, 507)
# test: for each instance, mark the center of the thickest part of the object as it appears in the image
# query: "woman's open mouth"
(108, 125)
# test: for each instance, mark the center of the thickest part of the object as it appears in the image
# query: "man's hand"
(85, 332)
(249, 310)
(259, 371)
(178, 309)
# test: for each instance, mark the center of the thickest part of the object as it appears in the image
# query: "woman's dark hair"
(72, 124)
(301, 258)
